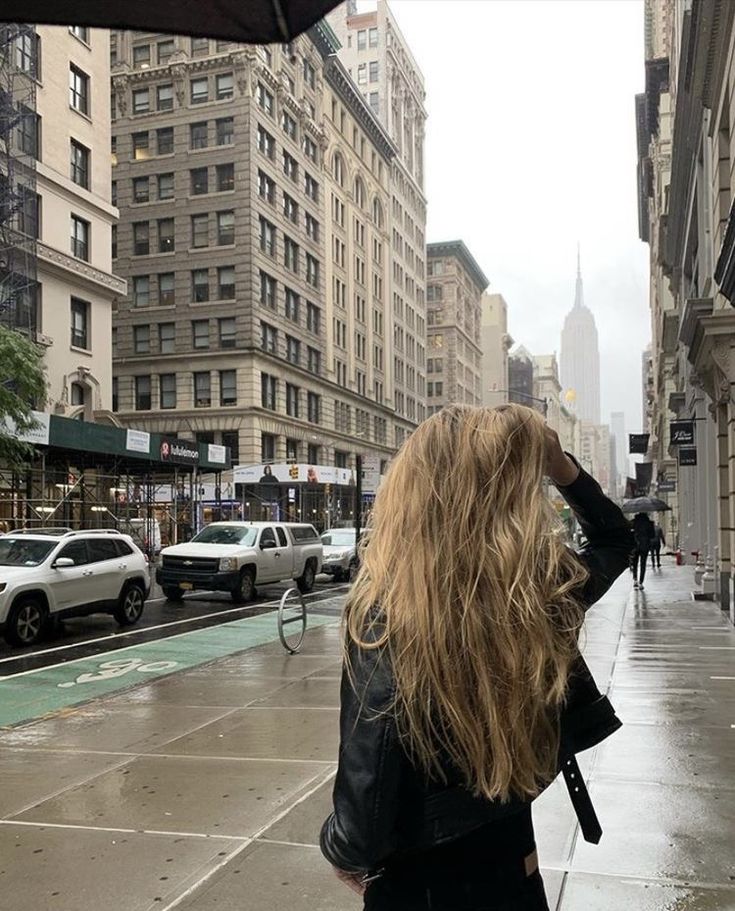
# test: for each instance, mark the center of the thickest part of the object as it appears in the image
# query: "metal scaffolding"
(19, 148)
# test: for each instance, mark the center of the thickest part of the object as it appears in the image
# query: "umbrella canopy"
(243, 21)
(645, 504)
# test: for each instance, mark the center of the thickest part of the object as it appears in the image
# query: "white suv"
(45, 575)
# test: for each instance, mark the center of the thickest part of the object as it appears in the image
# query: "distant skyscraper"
(580, 358)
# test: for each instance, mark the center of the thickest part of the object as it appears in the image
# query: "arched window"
(377, 213)
(359, 193)
(338, 169)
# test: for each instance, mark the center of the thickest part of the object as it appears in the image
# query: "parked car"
(235, 556)
(340, 554)
(45, 575)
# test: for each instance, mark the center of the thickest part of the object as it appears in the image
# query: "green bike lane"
(38, 693)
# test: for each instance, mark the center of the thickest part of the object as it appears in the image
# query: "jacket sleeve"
(609, 538)
(360, 833)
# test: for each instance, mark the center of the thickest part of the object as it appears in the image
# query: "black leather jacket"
(383, 807)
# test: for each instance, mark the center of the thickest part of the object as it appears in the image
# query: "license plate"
(187, 586)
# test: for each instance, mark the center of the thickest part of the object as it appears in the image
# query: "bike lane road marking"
(37, 693)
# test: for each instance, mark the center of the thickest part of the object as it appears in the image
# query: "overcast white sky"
(531, 147)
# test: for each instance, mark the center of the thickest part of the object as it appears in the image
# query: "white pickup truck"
(236, 556)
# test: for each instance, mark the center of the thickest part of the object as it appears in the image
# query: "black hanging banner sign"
(629, 488)
(681, 433)
(687, 455)
(638, 443)
(643, 476)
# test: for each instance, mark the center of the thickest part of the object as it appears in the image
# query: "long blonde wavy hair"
(475, 595)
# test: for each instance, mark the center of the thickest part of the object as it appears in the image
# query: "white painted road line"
(722, 678)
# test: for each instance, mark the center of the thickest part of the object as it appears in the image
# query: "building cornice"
(338, 77)
(96, 279)
(458, 249)
(324, 39)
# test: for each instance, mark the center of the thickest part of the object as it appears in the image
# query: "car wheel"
(244, 591)
(305, 582)
(338, 575)
(130, 606)
(352, 571)
(26, 622)
(173, 593)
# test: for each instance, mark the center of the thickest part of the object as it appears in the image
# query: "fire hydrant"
(678, 556)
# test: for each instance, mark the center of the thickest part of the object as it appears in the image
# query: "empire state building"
(580, 358)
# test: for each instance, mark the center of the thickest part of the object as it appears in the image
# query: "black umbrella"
(244, 21)
(645, 504)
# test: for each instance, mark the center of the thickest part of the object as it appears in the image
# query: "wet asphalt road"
(82, 637)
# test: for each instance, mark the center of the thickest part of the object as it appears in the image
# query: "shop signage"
(666, 486)
(681, 433)
(182, 452)
(216, 454)
(38, 435)
(687, 455)
(370, 473)
(138, 441)
(295, 473)
(638, 443)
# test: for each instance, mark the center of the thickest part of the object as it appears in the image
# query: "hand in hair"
(559, 467)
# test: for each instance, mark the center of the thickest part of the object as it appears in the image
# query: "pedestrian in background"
(464, 690)
(656, 541)
(642, 535)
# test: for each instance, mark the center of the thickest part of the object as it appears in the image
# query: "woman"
(642, 534)
(463, 690)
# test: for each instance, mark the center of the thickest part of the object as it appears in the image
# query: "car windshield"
(226, 534)
(24, 551)
(339, 538)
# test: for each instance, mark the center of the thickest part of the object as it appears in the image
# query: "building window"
(267, 237)
(290, 166)
(266, 187)
(80, 238)
(202, 389)
(312, 227)
(292, 450)
(374, 71)
(309, 75)
(314, 360)
(290, 208)
(200, 231)
(167, 389)
(141, 101)
(165, 186)
(225, 177)
(141, 291)
(293, 350)
(226, 282)
(265, 99)
(165, 97)
(310, 149)
(266, 143)
(227, 332)
(167, 338)
(231, 439)
(311, 187)
(200, 285)
(166, 289)
(290, 255)
(288, 125)
(199, 181)
(361, 40)
(225, 228)
(142, 339)
(313, 407)
(292, 400)
(27, 53)
(142, 393)
(199, 47)
(292, 305)
(79, 164)
(228, 387)
(79, 323)
(166, 242)
(141, 238)
(362, 74)
(115, 397)
(267, 290)
(312, 270)
(313, 318)
(29, 212)
(165, 141)
(267, 447)
(29, 131)
(225, 131)
(141, 151)
(373, 35)
(78, 90)
(200, 333)
(312, 454)
(268, 338)
(374, 102)
(199, 90)
(224, 86)
(142, 55)
(198, 135)
(268, 391)
(165, 50)
(141, 189)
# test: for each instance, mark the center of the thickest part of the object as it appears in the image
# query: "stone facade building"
(454, 296)
(254, 189)
(495, 344)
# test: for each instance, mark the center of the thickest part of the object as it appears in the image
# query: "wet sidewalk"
(205, 789)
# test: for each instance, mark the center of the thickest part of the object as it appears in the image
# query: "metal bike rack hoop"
(283, 620)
